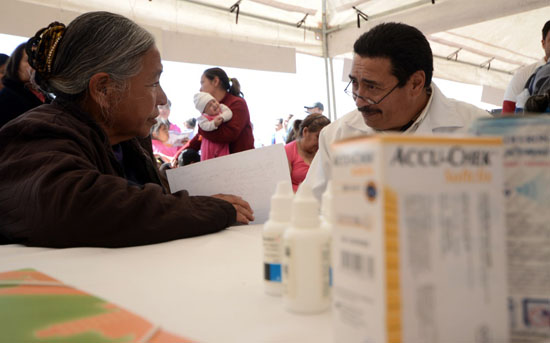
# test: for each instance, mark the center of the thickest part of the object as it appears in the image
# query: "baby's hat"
(201, 100)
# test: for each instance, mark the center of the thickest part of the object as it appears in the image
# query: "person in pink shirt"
(159, 137)
(164, 114)
(301, 151)
(213, 114)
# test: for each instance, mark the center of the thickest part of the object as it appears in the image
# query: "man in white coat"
(390, 81)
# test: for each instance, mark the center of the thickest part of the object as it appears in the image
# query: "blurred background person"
(539, 87)
(3, 60)
(292, 133)
(162, 150)
(188, 156)
(190, 125)
(175, 136)
(18, 95)
(514, 97)
(302, 150)
(279, 136)
(164, 115)
(316, 108)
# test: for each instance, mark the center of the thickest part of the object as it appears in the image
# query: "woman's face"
(310, 141)
(207, 85)
(136, 109)
(25, 69)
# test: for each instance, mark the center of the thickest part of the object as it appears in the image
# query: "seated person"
(80, 171)
(301, 151)
(213, 114)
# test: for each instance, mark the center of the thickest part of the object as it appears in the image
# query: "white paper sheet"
(252, 175)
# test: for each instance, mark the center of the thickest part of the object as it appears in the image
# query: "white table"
(207, 288)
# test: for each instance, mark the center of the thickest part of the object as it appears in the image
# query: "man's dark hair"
(545, 29)
(405, 46)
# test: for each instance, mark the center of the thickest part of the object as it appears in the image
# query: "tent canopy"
(478, 42)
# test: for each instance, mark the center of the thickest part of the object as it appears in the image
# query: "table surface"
(208, 288)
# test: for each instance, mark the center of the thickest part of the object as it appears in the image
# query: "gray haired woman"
(78, 172)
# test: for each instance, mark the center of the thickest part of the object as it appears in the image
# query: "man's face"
(546, 45)
(372, 78)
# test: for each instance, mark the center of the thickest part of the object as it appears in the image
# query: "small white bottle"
(306, 258)
(327, 215)
(327, 220)
(278, 222)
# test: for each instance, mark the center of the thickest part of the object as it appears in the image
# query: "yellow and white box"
(419, 252)
(526, 142)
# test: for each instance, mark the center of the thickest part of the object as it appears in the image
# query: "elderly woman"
(75, 172)
(18, 94)
(301, 151)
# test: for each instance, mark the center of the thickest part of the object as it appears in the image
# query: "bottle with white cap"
(327, 215)
(278, 222)
(306, 258)
(327, 220)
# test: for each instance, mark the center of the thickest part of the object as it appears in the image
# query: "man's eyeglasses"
(354, 95)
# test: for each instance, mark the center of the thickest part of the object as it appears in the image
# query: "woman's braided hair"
(65, 59)
(41, 49)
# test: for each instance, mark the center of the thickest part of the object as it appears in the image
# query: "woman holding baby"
(236, 132)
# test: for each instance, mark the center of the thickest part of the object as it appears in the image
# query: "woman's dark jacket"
(15, 99)
(62, 186)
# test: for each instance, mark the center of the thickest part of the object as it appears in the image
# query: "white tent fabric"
(474, 41)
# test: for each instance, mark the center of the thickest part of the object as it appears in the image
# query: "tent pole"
(325, 56)
(335, 116)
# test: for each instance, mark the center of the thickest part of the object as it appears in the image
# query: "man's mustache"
(368, 110)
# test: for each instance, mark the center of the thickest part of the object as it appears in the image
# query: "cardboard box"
(526, 171)
(419, 250)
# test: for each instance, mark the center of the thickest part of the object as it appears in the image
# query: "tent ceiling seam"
(286, 7)
(380, 15)
(474, 65)
(474, 51)
(255, 16)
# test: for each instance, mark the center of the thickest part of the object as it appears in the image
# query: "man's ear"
(99, 88)
(417, 81)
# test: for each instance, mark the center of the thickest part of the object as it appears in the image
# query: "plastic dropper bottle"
(327, 220)
(327, 215)
(306, 258)
(278, 222)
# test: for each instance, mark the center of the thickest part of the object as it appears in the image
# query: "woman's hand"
(218, 121)
(244, 211)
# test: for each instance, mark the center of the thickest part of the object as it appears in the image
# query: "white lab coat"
(443, 115)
